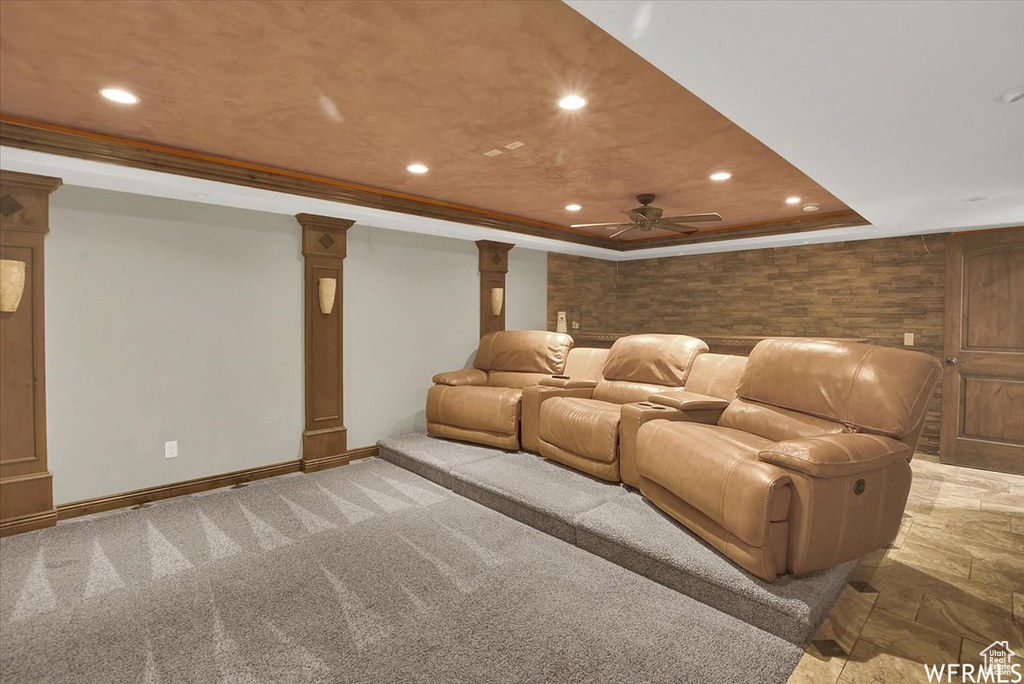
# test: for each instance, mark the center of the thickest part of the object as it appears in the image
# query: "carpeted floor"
(366, 573)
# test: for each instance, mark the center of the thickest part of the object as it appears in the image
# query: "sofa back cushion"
(655, 359)
(585, 363)
(641, 365)
(860, 386)
(523, 351)
(716, 375)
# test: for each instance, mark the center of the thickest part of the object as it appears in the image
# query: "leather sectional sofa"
(790, 461)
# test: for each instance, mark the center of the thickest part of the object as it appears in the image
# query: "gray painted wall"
(138, 291)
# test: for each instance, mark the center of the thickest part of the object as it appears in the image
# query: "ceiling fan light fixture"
(573, 101)
(792, 200)
(720, 176)
(120, 96)
(573, 207)
(417, 168)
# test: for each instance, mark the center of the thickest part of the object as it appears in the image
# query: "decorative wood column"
(493, 267)
(324, 440)
(26, 485)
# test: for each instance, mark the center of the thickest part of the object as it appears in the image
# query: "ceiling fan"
(646, 217)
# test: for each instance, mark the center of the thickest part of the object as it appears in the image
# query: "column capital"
(324, 236)
(494, 255)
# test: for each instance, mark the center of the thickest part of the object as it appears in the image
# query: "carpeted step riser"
(477, 473)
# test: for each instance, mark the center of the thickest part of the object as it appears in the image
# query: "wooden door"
(983, 383)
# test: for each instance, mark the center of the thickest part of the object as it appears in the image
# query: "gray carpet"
(620, 526)
(366, 573)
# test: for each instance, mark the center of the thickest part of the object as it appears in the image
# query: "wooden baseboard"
(313, 465)
(28, 523)
(201, 484)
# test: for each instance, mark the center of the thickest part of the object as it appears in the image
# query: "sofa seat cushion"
(717, 471)
(514, 380)
(585, 427)
(625, 392)
(491, 409)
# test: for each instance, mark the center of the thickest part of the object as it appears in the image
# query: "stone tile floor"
(950, 584)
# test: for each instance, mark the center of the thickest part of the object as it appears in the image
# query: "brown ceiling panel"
(355, 91)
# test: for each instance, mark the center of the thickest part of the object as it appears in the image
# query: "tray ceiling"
(357, 91)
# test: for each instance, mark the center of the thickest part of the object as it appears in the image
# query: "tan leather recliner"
(579, 425)
(482, 404)
(710, 387)
(808, 467)
(582, 371)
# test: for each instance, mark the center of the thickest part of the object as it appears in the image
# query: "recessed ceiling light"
(572, 102)
(812, 207)
(416, 168)
(792, 200)
(721, 176)
(573, 207)
(119, 96)
(1012, 95)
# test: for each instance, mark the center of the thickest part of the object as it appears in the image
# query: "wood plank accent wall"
(26, 484)
(872, 289)
(324, 246)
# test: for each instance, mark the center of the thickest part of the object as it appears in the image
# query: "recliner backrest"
(716, 375)
(520, 358)
(523, 351)
(585, 363)
(843, 386)
(641, 365)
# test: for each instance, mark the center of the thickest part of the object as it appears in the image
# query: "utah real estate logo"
(997, 668)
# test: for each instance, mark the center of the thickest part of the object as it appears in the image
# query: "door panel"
(993, 293)
(981, 423)
(983, 383)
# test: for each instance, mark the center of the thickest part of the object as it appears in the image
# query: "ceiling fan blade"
(599, 225)
(626, 229)
(675, 227)
(694, 218)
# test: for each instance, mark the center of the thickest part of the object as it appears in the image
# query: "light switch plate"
(171, 449)
(908, 339)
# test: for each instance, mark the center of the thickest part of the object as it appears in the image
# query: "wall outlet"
(908, 339)
(171, 449)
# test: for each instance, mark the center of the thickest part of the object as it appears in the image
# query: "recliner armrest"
(466, 376)
(568, 383)
(688, 401)
(837, 455)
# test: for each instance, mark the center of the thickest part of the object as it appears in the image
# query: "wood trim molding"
(26, 485)
(71, 142)
(493, 260)
(324, 246)
(200, 484)
(28, 523)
